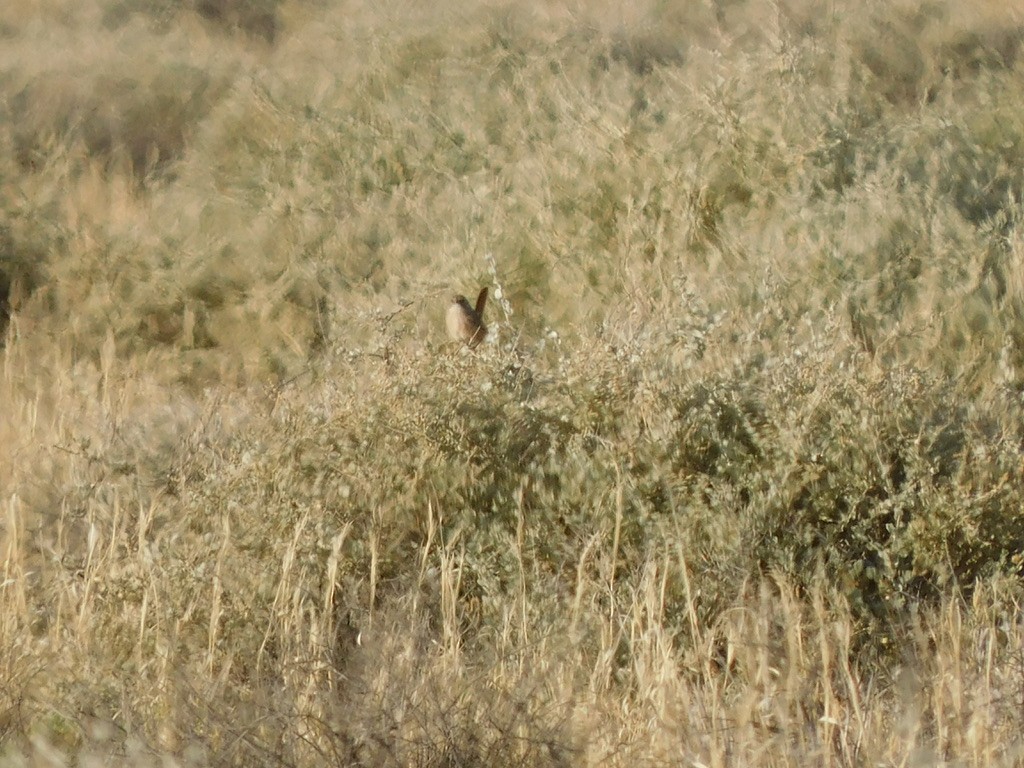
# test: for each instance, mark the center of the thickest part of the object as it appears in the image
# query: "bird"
(466, 323)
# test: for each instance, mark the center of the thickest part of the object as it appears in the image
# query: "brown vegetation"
(735, 479)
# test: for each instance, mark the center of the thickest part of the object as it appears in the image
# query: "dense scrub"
(736, 479)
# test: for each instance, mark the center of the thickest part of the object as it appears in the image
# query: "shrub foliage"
(735, 479)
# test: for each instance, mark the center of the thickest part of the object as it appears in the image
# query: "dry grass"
(735, 480)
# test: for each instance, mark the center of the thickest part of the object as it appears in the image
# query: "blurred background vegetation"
(736, 479)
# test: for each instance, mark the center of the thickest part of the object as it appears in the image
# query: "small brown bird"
(465, 323)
